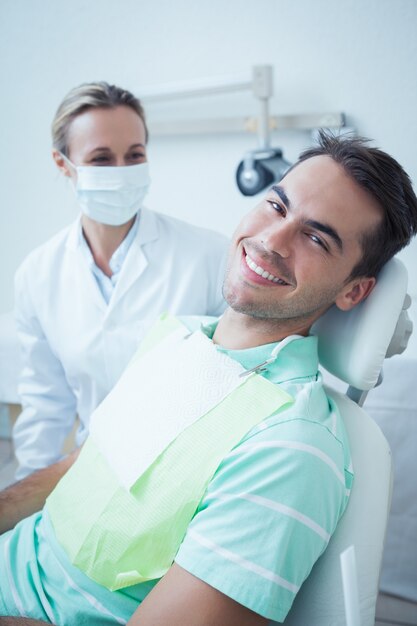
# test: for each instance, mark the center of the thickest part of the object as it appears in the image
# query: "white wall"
(347, 55)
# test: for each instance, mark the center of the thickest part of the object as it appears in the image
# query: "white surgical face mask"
(111, 195)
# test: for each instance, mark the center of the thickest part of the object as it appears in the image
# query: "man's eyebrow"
(324, 228)
(328, 230)
(281, 193)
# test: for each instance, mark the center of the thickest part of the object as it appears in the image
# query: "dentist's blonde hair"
(90, 96)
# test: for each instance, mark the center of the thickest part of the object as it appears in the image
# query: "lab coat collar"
(147, 227)
(73, 240)
(147, 230)
(74, 243)
(134, 263)
(136, 260)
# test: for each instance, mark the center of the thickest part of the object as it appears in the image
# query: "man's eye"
(277, 207)
(318, 241)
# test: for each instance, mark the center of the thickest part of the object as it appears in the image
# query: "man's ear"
(61, 163)
(354, 292)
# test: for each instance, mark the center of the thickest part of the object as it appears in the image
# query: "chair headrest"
(353, 344)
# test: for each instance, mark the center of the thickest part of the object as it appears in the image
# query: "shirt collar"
(118, 255)
(298, 359)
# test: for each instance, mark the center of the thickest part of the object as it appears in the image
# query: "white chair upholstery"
(320, 601)
(354, 344)
(352, 347)
(393, 406)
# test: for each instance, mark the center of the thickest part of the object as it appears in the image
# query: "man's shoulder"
(311, 427)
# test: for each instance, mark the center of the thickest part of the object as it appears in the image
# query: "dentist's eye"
(101, 160)
(137, 156)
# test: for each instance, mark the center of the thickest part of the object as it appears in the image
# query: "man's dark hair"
(386, 181)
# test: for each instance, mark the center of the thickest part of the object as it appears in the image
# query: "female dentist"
(85, 298)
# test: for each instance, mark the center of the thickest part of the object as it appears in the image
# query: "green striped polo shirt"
(266, 517)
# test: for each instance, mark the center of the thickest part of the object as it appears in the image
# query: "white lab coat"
(75, 346)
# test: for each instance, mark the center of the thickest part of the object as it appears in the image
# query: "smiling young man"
(224, 521)
(293, 255)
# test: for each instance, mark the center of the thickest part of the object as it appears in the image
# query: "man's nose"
(280, 238)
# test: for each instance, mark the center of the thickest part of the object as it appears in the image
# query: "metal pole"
(262, 89)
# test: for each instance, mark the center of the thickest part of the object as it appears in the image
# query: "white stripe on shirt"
(249, 565)
(276, 506)
(292, 445)
(13, 589)
(90, 598)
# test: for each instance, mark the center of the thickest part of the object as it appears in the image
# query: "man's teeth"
(260, 270)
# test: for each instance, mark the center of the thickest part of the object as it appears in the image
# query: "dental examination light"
(259, 168)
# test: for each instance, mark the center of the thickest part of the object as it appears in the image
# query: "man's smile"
(260, 271)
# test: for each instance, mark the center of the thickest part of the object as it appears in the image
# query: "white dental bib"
(148, 408)
(155, 442)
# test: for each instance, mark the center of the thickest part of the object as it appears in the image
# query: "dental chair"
(352, 347)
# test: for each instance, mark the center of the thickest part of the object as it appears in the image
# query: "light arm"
(28, 495)
(181, 598)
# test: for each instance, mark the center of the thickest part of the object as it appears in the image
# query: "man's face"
(292, 254)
